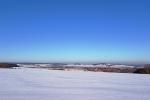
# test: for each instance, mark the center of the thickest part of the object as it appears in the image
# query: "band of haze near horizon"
(89, 31)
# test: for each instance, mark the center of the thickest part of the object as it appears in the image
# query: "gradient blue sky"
(75, 31)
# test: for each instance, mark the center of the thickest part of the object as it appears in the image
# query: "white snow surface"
(43, 84)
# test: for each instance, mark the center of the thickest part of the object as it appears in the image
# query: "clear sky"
(75, 31)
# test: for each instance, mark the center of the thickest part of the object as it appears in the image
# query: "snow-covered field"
(42, 84)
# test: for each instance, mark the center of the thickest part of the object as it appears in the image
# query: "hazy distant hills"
(100, 67)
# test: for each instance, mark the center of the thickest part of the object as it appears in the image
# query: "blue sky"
(115, 31)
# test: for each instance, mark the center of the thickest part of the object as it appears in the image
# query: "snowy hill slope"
(42, 84)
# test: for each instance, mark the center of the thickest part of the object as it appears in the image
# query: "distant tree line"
(144, 70)
(8, 65)
(141, 70)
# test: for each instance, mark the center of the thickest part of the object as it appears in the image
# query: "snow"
(43, 84)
